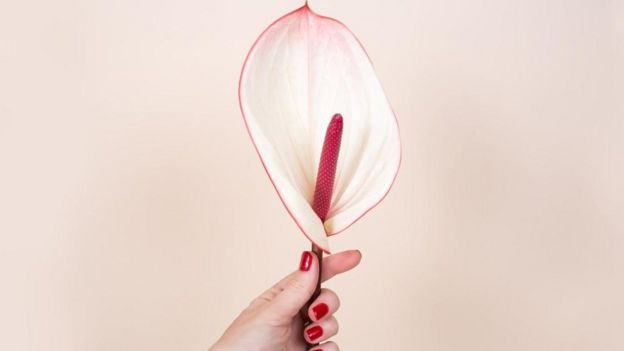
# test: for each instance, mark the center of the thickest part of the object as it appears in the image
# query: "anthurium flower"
(320, 122)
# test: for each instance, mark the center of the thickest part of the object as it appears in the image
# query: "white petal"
(301, 71)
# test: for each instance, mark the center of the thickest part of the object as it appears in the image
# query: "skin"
(272, 321)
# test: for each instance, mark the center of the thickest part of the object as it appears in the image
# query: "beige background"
(135, 215)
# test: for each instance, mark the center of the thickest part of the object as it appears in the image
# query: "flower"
(303, 73)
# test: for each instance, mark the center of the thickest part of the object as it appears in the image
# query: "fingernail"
(320, 310)
(315, 332)
(306, 261)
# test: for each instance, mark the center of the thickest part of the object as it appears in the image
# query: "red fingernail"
(315, 332)
(320, 310)
(306, 261)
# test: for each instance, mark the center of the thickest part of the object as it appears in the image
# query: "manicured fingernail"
(306, 261)
(315, 332)
(320, 310)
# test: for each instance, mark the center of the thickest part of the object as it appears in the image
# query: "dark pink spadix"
(327, 167)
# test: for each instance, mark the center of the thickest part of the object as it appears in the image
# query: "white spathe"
(302, 70)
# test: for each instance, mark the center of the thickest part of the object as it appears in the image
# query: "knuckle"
(330, 294)
(297, 284)
(331, 346)
(333, 322)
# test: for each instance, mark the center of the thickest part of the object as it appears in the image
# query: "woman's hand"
(272, 321)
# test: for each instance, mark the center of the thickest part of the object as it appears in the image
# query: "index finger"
(339, 263)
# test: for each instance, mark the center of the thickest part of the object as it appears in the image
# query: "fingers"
(332, 265)
(340, 263)
(321, 331)
(292, 292)
(321, 311)
(325, 305)
(297, 288)
(328, 346)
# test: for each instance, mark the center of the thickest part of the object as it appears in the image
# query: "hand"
(272, 321)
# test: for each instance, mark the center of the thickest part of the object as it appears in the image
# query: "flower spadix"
(320, 122)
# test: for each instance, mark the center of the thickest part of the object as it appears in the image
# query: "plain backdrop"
(135, 214)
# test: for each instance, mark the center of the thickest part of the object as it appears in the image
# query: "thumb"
(297, 288)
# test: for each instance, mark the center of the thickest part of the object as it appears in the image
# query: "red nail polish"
(315, 332)
(320, 310)
(306, 261)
